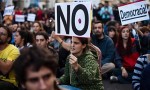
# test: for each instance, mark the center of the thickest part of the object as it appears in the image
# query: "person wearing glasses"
(8, 54)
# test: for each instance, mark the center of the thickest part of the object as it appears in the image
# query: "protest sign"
(133, 12)
(8, 10)
(19, 18)
(73, 19)
(31, 17)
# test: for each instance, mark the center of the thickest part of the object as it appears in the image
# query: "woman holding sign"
(81, 69)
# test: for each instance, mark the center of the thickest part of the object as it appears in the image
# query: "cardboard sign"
(134, 12)
(31, 17)
(19, 18)
(73, 19)
(9, 10)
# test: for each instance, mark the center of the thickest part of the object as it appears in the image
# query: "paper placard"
(134, 12)
(8, 10)
(31, 17)
(20, 18)
(73, 19)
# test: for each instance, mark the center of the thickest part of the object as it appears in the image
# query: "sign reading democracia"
(134, 12)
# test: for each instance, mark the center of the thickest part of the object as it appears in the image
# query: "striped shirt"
(142, 62)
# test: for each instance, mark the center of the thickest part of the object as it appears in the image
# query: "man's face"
(43, 79)
(98, 29)
(41, 41)
(3, 36)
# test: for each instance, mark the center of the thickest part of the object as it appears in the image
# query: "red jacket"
(129, 61)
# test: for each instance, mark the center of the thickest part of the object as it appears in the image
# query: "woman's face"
(125, 33)
(77, 47)
(111, 33)
(36, 27)
(18, 39)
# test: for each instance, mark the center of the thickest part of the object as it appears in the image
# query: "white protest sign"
(31, 17)
(9, 10)
(73, 19)
(133, 12)
(19, 18)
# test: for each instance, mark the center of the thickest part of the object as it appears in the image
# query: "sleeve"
(138, 45)
(118, 59)
(64, 79)
(101, 12)
(137, 73)
(109, 52)
(89, 72)
(111, 11)
(13, 54)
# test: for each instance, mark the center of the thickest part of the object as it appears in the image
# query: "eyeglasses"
(3, 34)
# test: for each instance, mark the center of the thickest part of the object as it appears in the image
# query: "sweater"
(107, 48)
(142, 62)
(87, 77)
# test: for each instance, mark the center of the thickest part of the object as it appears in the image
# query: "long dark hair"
(115, 38)
(27, 36)
(121, 49)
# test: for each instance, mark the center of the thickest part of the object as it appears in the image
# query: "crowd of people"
(32, 57)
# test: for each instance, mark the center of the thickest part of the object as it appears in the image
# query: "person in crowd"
(8, 54)
(106, 12)
(49, 26)
(127, 50)
(144, 37)
(23, 38)
(39, 14)
(114, 23)
(145, 30)
(145, 80)
(37, 26)
(63, 50)
(41, 39)
(116, 13)
(35, 69)
(141, 64)
(13, 29)
(96, 16)
(105, 44)
(113, 34)
(81, 69)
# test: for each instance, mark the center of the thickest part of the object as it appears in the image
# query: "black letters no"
(83, 31)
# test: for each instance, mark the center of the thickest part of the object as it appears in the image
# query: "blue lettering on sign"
(133, 14)
(8, 11)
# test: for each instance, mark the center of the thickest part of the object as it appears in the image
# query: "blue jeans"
(68, 87)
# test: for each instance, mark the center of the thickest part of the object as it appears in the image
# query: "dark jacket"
(107, 48)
